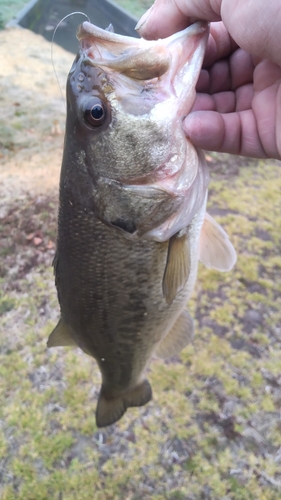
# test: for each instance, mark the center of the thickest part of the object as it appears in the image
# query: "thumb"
(166, 17)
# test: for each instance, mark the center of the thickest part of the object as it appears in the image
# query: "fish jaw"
(148, 88)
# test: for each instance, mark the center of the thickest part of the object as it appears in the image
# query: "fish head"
(127, 99)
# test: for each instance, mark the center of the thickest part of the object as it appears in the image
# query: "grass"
(213, 427)
(135, 7)
(9, 9)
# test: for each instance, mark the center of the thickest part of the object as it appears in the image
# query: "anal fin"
(109, 410)
(60, 336)
(215, 251)
(178, 337)
(177, 267)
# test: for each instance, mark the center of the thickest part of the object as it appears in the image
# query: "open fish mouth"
(175, 60)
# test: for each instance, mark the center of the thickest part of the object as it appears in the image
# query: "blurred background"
(50, 12)
(43, 16)
(213, 428)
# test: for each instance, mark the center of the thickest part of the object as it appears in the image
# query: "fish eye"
(95, 112)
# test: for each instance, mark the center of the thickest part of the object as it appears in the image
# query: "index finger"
(220, 44)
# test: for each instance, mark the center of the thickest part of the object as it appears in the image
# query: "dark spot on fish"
(127, 226)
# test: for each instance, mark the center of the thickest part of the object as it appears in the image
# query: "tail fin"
(109, 410)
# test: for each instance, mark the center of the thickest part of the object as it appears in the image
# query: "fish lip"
(87, 30)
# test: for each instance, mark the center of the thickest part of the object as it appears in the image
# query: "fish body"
(132, 209)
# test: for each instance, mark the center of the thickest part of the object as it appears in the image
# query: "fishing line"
(52, 43)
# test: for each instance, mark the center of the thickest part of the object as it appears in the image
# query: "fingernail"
(143, 19)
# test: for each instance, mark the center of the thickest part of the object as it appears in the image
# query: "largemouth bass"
(132, 219)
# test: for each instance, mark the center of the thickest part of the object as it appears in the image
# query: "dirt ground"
(213, 429)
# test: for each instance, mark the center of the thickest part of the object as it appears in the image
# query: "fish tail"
(110, 409)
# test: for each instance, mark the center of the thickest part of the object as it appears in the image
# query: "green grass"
(9, 9)
(135, 7)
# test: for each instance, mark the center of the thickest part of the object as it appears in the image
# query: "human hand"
(238, 105)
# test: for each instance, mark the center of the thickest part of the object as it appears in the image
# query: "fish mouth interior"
(141, 59)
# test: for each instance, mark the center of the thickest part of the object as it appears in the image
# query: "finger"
(203, 102)
(220, 44)
(166, 17)
(267, 105)
(227, 74)
(223, 102)
(255, 26)
(232, 73)
(234, 133)
(241, 68)
(220, 77)
(244, 97)
(203, 83)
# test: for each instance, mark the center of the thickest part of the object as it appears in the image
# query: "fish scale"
(125, 302)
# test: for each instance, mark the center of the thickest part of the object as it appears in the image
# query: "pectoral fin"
(215, 251)
(178, 337)
(60, 336)
(177, 266)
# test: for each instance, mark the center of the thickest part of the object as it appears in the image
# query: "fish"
(132, 221)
